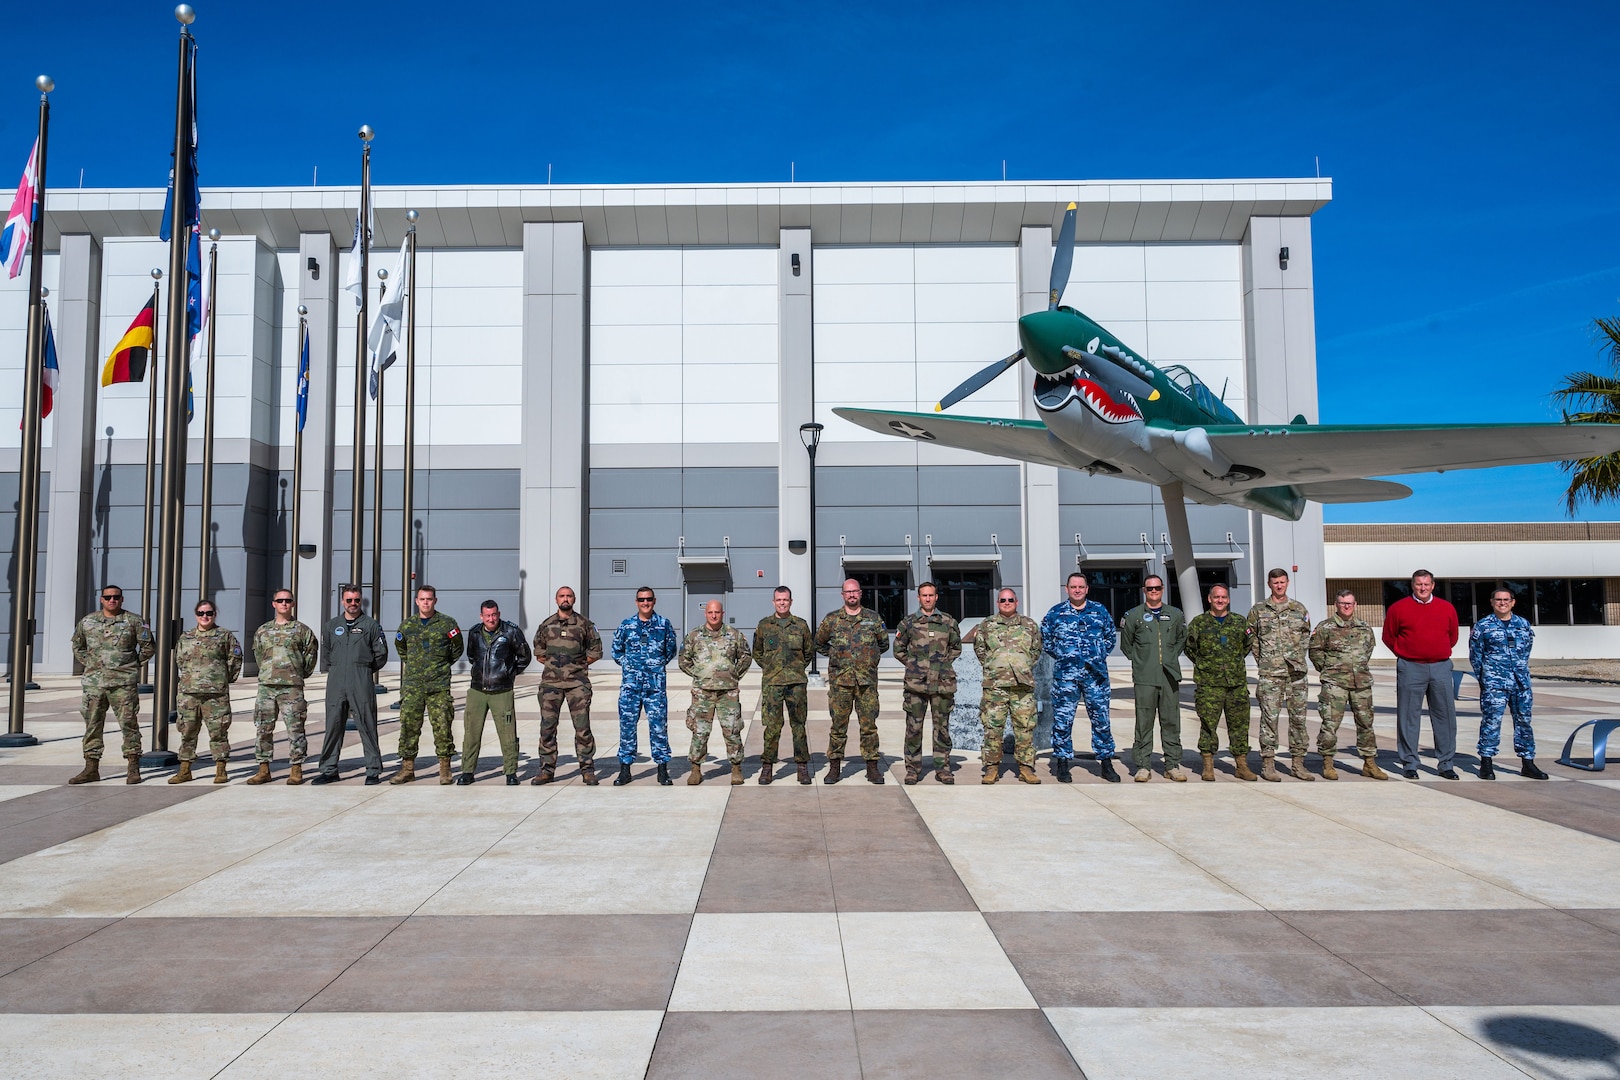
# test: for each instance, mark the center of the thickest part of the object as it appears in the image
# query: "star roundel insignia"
(911, 431)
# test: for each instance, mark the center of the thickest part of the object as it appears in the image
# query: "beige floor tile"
(928, 960)
(1552, 1042)
(389, 1046)
(124, 1046)
(762, 963)
(17, 791)
(527, 881)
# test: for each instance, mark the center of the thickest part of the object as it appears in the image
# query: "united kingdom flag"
(20, 222)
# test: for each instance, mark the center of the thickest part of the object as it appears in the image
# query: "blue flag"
(303, 381)
(186, 169)
(194, 306)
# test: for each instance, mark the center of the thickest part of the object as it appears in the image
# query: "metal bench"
(1600, 744)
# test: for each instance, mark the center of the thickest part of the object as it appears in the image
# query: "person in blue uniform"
(1078, 634)
(1499, 652)
(643, 645)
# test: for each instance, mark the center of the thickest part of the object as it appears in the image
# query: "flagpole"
(22, 598)
(409, 493)
(208, 421)
(148, 492)
(377, 471)
(298, 459)
(171, 526)
(31, 544)
(357, 501)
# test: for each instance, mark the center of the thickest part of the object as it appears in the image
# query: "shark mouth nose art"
(1113, 407)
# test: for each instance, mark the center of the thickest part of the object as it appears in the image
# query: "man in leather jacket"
(497, 655)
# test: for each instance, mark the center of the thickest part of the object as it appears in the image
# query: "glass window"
(885, 592)
(1117, 588)
(1552, 602)
(1586, 597)
(1396, 590)
(1461, 595)
(965, 594)
(1208, 578)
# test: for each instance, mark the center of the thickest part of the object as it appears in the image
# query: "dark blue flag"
(303, 381)
(187, 168)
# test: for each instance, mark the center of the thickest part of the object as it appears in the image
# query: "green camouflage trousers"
(864, 701)
(1274, 691)
(126, 706)
(1211, 701)
(194, 711)
(916, 704)
(287, 704)
(998, 704)
(579, 711)
(1164, 702)
(709, 706)
(440, 711)
(772, 700)
(500, 706)
(1330, 705)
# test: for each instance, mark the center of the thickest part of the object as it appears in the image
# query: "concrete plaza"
(1357, 928)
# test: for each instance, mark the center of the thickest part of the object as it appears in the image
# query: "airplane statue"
(1106, 410)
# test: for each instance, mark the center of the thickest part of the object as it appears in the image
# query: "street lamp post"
(810, 435)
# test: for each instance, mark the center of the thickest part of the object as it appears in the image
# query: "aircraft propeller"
(1062, 261)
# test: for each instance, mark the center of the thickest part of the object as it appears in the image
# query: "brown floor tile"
(739, 883)
(1608, 918)
(771, 823)
(762, 1045)
(1487, 974)
(515, 963)
(22, 941)
(898, 883)
(1169, 959)
(1353, 933)
(47, 818)
(1008, 1044)
(1583, 807)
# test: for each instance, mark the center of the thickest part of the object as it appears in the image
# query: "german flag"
(128, 360)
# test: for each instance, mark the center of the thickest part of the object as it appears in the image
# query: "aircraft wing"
(1315, 454)
(1021, 440)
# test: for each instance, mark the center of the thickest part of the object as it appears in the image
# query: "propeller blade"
(979, 382)
(1062, 259)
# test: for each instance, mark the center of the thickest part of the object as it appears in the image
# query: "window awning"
(876, 561)
(1104, 558)
(986, 558)
(713, 561)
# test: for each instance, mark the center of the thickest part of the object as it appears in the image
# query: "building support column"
(796, 406)
(1043, 567)
(553, 531)
(71, 457)
(317, 291)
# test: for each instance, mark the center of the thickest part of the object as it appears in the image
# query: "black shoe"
(1060, 769)
(372, 778)
(1106, 770)
(624, 774)
(464, 779)
(511, 779)
(1448, 774)
(1529, 769)
(1410, 774)
(325, 778)
(1487, 771)
(663, 775)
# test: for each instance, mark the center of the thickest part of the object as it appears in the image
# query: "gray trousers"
(349, 694)
(1413, 683)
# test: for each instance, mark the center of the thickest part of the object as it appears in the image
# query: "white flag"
(383, 341)
(353, 283)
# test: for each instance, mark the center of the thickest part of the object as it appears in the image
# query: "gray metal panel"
(990, 485)
(729, 487)
(882, 485)
(615, 488)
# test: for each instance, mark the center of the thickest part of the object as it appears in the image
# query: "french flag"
(20, 222)
(51, 377)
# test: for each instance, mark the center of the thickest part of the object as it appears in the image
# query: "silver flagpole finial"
(213, 234)
(302, 310)
(366, 134)
(186, 14)
(45, 83)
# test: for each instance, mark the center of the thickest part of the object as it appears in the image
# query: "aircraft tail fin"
(1298, 420)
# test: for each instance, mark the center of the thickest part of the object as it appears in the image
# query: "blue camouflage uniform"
(643, 650)
(1499, 652)
(1079, 641)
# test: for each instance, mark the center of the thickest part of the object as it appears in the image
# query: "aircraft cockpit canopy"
(1203, 396)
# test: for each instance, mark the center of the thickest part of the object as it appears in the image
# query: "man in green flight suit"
(427, 645)
(928, 642)
(1152, 635)
(782, 649)
(1218, 646)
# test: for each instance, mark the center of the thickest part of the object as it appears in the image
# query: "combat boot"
(945, 774)
(663, 775)
(992, 773)
(262, 776)
(407, 772)
(1296, 766)
(295, 774)
(444, 770)
(548, 773)
(133, 774)
(804, 772)
(695, 777)
(183, 776)
(1209, 768)
(1106, 770)
(767, 771)
(1487, 771)
(1328, 771)
(587, 774)
(1026, 775)
(1529, 768)
(1240, 767)
(1176, 773)
(89, 774)
(874, 773)
(913, 773)
(1370, 769)
(835, 770)
(219, 772)
(1268, 768)
(1060, 769)
(736, 775)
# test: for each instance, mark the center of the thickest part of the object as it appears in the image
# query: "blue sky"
(1470, 243)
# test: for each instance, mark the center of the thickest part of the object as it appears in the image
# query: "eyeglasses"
(282, 600)
(1153, 588)
(644, 599)
(1006, 600)
(205, 614)
(351, 601)
(112, 596)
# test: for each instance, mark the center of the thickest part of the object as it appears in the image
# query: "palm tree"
(1595, 479)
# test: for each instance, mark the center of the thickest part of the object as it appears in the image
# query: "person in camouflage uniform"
(566, 645)
(1499, 652)
(1281, 629)
(643, 646)
(1008, 646)
(1078, 634)
(111, 646)
(1339, 649)
(928, 642)
(209, 659)
(715, 656)
(427, 646)
(783, 649)
(1218, 644)
(1152, 635)
(285, 651)
(852, 638)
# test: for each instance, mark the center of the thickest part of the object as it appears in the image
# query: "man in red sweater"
(1421, 631)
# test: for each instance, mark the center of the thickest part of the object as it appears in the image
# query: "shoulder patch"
(399, 635)
(453, 631)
